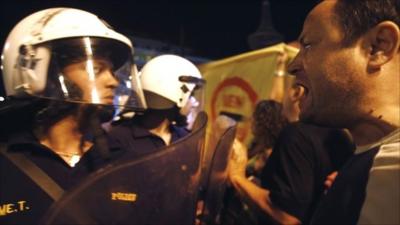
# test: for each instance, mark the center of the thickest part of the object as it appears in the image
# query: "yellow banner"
(235, 84)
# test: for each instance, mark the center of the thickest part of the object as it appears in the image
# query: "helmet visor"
(195, 103)
(92, 70)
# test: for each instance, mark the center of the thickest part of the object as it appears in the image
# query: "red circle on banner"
(234, 81)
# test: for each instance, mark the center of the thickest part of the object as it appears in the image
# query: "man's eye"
(306, 45)
(97, 70)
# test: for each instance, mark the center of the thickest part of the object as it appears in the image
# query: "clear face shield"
(82, 70)
(195, 103)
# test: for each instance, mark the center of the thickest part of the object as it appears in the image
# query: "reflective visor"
(91, 70)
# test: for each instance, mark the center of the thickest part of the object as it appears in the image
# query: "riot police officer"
(158, 188)
(66, 69)
(168, 83)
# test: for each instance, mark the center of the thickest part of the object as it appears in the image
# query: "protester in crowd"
(267, 122)
(349, 65)
(294, 177)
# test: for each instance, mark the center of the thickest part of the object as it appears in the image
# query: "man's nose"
(112, 80)
(295, 66)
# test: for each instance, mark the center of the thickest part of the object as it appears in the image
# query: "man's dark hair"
(356, 17)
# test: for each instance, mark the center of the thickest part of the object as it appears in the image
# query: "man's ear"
(384, 40)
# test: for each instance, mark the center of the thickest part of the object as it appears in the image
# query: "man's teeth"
(303, 89)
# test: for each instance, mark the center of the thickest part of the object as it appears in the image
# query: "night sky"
(212, 29)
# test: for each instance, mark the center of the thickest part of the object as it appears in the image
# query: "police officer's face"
(95, 79)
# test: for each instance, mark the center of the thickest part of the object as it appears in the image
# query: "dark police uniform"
(138, 141)
(22, 201)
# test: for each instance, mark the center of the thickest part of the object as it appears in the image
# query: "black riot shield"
(17, 114)
(156, 189)
(214, 174)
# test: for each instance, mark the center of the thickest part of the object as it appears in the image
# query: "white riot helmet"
(42, 45)
(169, 80)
